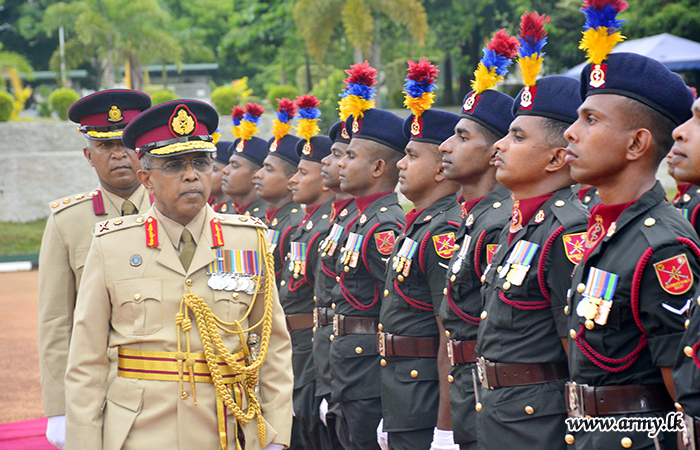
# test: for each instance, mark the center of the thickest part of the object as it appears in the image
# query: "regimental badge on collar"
(686, 197)
(539, 218)
(115, 114)
(344, 212)
(182, 122)
(274, 222)
(598, 72)
(363, 218)
(470, 220)
(612, 228)
(309, 225)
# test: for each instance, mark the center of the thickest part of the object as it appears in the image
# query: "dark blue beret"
(175, 127)
(433, 126)
(285, 148)
(491, 109)
(643, 79)
(254, 149)
(104, 114)
(223, 151)
(554, 97)
(316, 149)
(338, 133)
(379, 126)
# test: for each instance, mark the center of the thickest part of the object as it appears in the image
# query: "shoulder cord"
(208, 325)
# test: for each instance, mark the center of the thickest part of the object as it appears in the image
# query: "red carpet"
(24, 435)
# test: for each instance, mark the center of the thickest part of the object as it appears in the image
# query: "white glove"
(323, 410)
(443, 440)
(274, 447)
(56, 431)
(382, 436)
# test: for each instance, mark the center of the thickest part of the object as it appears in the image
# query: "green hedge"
(6, 106)
(61, 99)
(163, 96)
(225, 98)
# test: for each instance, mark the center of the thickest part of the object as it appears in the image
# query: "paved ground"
(20, 385)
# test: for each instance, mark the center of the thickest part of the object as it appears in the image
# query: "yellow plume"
(418, 105)
(247, 130)
(280, 129)
(352, 105)
(530, 66)
(484, 78)
(307, 128)
(598, 43)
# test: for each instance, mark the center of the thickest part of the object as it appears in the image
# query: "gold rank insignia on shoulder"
(115, 114)
(539, 218)
(182, 122)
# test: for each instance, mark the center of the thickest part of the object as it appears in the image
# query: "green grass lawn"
(21, 238)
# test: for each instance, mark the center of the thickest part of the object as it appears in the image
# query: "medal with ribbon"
(597, 297)
(404, 256)
(518, 263)
(352, 249)
(297, 262)
(272, 238)
(331, 242)
(462, 255)
(233, 270)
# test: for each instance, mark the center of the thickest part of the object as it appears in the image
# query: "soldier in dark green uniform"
(272, 185)
(409, 335)
(680, 167)
(522, 363)
(238, 178)
(467, 159)
(343, 212)
(630, 293)
(368, 172)
(297, 280)
(588, 196)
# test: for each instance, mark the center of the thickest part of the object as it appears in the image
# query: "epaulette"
(296, 215)
(239, 219)
(118, 223)
(385, 216)
(569, 214)
(657, 233)
(66, 202)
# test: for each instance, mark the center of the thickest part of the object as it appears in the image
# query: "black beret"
(433, 126)
(317, 148)
(285, 148)
(491, 109)
(104, 114)
(338, 133)
(175, 127)
(554, 97)
(640, 78)
(254, 149)
(223, 151)
(380, 126)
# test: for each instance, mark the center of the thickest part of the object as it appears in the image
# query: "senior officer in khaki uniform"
(102, 117)
(176, 290)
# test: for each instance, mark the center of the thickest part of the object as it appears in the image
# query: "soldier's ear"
(640, 143)
(88, 156)
(379, 166)
(145, 179)
(558, 160)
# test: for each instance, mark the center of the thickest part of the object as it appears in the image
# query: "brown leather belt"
(299, 321)
(461, 352)
(494, 374)
(418, 347)
(323, 317)
(593, 401)
(343, 325)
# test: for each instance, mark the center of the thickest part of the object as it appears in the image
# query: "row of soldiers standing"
(440, 328)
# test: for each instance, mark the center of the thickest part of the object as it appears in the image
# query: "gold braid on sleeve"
(208, 325)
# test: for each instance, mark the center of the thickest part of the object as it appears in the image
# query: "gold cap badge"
(114, 114)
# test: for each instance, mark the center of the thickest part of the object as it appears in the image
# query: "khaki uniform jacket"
(129, 297)
(64, 248)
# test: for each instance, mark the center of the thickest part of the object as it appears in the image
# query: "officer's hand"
(323, 410)
(443, 440)
(382, 436)
(274, 447)
(56, 431)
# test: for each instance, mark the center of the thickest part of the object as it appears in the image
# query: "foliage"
(42, 100)
(276, 92)
(162, 96)
(318, 73)
(61, 99)
(6, 106)
(328, 90)
(225, 98)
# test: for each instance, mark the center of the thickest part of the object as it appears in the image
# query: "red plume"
(422, 70)
(504, 45)
(362, 74)
(237, 112)
(532, 26)
(618, 5)
(287, 106)
(307, 101)
(254, 109)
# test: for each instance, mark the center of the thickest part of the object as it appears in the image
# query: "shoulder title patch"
(573, 246)
(385, 242)
(674, 274)
(444, 245)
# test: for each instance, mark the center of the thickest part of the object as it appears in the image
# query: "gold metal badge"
(526, 98)
(115, 114)
(307, 148)
(597, 76)
(241, 146)
(273, 146)
(182, 122)
(415, 127)
(344, 133)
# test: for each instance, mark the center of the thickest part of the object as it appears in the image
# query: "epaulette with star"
(66, 202)
(118, 223)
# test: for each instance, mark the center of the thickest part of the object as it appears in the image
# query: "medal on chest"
(518, 262)
(234, 270)
(489, 265)
(297, 262)
(597, 297)
(402, 260)
(273, 238)
(330, 243)
(352, 249)
(462, 255)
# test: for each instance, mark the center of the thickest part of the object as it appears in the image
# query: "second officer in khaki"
(176, 290)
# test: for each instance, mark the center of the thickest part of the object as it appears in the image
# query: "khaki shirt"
(64, 248)
(128, 299)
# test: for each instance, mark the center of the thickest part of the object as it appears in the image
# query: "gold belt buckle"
(575, 401)
(381, 343)
(481, 370)
(315, 317)
(335, 325)
(451, 353)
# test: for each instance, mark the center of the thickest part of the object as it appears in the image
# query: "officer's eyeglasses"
(178, 166)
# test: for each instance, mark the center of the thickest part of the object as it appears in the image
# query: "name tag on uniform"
(597, 297)
(234, 270)
(518, 262)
